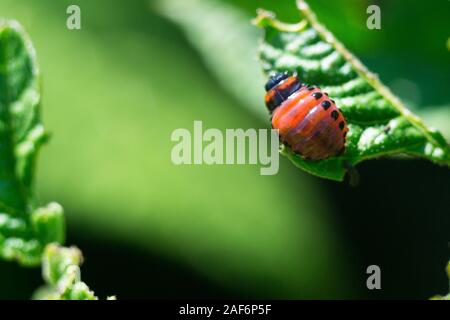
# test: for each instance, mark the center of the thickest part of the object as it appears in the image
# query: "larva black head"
(275, 79)
(279, 87)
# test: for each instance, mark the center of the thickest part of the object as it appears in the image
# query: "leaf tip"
(302, 5)
(266, 19)
(262, 17)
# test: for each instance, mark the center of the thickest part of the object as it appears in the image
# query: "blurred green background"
(116, 89)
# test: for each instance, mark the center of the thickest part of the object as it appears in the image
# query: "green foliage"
(380, 125)
(27, 230)
(61, 271)
(24, 228)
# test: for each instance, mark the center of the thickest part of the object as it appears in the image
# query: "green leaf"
(48, 223)
(21, 132)
(25, 229)
(379, 124)
(61, 271)
(21, 136)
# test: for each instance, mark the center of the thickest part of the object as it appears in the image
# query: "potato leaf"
(24, 228)
(61, 271)
(29, 234)
(21, 132)
(379, 124)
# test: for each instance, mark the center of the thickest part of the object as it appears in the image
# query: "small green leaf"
(61, 271)
(379, 124)
(24, 228)
(48, 223)
(57, 260)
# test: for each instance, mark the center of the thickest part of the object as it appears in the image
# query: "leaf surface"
(24, 227)
(21, 136)
(29, 234)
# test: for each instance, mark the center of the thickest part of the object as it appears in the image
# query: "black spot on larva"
(326, 93)
(333, 101)
(341, 125)
(326, 104)
(334, 114)
(317, 95)
(311, 88)
(345, 134)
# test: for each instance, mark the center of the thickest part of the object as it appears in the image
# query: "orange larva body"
(308, 121)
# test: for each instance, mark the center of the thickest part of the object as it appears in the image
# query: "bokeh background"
(116, 89)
